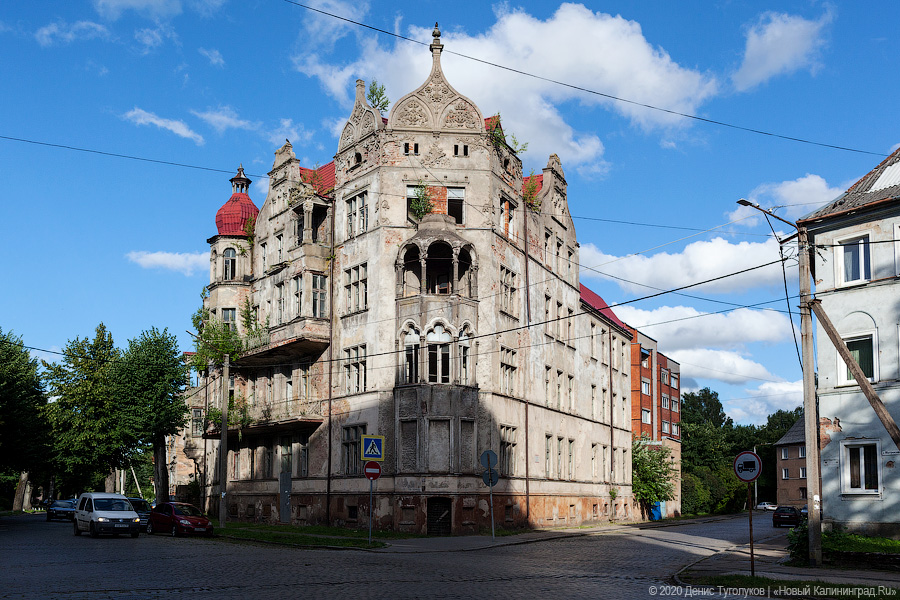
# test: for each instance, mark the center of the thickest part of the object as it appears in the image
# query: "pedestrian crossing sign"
(372, 447)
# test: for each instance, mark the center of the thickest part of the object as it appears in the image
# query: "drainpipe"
(330, 364)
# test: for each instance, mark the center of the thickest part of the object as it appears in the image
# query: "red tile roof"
(322, 178)
(539, 180)
(596, 302)
(234, 214)
(492, 122)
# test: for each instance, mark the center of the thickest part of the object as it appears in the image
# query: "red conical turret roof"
(233, 216)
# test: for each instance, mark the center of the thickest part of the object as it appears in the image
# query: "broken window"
(438, 342)
(439, 268)
(350, 441)
(411, 357)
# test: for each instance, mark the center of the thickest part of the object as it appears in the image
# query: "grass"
(839, 541)
(794, 588)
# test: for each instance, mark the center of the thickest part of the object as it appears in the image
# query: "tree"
(214, 339)
(23, 425)
(376, 96)
(704, 407)
(653, 473)
(89, 437)
(149, 380)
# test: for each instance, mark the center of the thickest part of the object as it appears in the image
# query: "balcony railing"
(256, 339)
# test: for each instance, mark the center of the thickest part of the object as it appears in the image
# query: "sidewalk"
(770, 556)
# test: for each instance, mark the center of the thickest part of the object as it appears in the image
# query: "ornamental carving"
(435, 157)
(413, 115)
(302, 192)
(346, 136)
(461, 115)
(436, 91)
(368, 124)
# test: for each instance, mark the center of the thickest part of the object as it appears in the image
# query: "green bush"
(798, 542)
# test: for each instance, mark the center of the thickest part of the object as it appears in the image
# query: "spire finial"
(437, 32)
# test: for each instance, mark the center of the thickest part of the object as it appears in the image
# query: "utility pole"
(810, 406)
(223, 447)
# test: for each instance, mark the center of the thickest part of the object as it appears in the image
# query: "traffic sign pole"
(747, 467)
(372, 471)
(372, 482)
(752, 562)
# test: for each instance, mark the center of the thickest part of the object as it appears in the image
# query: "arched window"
(438, 341)
(439, 267)
(412, 272)
(465, 358)
(411, 356)
(230, 264)
(465, 274)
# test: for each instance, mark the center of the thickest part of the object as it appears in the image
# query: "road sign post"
(747, 468)
(490, 478)
(372, 471)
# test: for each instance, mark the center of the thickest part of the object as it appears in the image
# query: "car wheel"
(93, 531)
(149, 528)
(77, 531)
(174, 530)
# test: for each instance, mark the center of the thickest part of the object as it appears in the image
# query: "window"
(547, 372)
(236, 463)
(350, 449)
(279, 240)
(355, 369)
(860, 467)
(465, 360)
(784, 453)
(262, 255)
(646, 417)
(645, 387)
(287, 462)
(802, 472)
(571, 459)
(507, 371)
(559, 246)
(268, 455)
(548, 321)
(570, 324)
(457, 147)
(508, 291)
(664, 376)
(228, 318)
(230, 264)
(559, 392)
(548, 236)
(665, 401)
(456, 200)
(411, 357)
(288, 387)
(279, 304)
(665, 427)
(548, 450)
(645, 358)
(303, 455)
(594, 461)
(357, 215)
(593, 340)
(674, 428)
(803, 493)
(559, 459)
(852, 257)
(862, 349)
(785, 473)
(674, 405)
(674, 380)
(570, 262)
(318, 296)
(571, 393)
(802, 451)
(558, 321)
(507, 217)
(593, 401)
(304, 382)
(409, 149)
(356, 286)
(507, 450)
(296, 295)
(197, 421)
(438, 343)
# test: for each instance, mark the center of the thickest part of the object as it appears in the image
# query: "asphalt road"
(45, 560)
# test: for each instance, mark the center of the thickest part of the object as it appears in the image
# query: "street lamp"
(810, 412)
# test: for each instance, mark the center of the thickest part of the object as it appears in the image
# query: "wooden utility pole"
(810, 406)
(223, 447)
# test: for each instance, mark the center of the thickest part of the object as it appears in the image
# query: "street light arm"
(745, 202)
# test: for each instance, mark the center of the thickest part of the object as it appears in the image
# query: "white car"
(98, 513)
(766, 506)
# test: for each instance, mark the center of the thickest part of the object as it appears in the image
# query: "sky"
(197, 87)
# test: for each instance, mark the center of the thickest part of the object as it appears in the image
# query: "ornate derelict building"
(418, 288)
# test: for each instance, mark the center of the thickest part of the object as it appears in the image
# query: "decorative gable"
(363, 120)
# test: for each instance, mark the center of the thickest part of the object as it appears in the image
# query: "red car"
(178, 518)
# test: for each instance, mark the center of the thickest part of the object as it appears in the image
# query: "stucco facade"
(449, 334)
(857, 279)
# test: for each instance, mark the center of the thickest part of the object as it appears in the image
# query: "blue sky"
(217, 83)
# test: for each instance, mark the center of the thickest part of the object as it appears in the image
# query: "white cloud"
(154, 9)
(323, 31)
(150, 39)
(288, 130)
(64, 33)
(764, 400)
(699, 261)
(141, 117)
(722, 365)
(224, 117)
(778, 44)
(798, 197)
(683, 327)
(575, 45)
(183, 262)
(93, 67)
(214, 56)
(206, 8)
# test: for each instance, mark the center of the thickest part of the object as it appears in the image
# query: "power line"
(594, 92)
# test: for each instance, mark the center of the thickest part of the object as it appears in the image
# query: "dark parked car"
(786, 515)
(142, 508)
(61, 509)
(177, 518)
